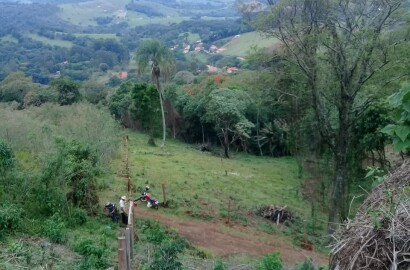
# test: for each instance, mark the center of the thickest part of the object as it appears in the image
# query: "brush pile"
(379, 236)
(277, 214)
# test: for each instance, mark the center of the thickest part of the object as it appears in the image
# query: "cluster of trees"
(212, 110)
(20, 90)
(19, 18)
(39, 60)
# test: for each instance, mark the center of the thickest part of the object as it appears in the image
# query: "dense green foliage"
(6, 158)
(67, 90)
(400, 132)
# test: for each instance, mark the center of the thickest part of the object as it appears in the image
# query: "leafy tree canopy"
(68, 90)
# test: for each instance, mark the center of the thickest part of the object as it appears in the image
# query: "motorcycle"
(146, 197)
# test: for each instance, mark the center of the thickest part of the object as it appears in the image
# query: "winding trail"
(223, 240)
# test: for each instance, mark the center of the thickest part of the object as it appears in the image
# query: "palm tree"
(152, 53)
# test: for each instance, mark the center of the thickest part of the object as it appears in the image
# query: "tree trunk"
(337, 193)
(341, 151)
(203, 133)
(225, 143)
(162, 110)
(257, 132)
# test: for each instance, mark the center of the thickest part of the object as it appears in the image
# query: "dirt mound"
(225, 241)
(379, 236)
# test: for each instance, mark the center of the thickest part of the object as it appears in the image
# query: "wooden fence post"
(229, 212)
(128, 247)
(163, 194)
(121, 253)
(131, 227)
(134, 222)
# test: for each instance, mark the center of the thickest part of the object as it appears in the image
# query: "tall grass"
(35, 129)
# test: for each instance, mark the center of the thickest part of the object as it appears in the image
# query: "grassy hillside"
(85, 13)
(198, 187)
(51, 42)
(241, 46)
(8, 38)
(204, 182)
(97, 36)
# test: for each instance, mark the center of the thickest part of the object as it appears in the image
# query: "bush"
(307, 265)
(219, 265)
(78, 217)
(270, 262)
(166, 255)
(6, 157)
(55, 229)
(10, 219)
(95, 255)
(153, 232)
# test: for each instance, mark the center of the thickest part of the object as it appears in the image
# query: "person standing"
(112, 211)
(124, 216)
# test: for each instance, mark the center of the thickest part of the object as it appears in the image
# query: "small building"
(231, 69)
(212, 69)
(123, 75)
(213, 48)
(187, 48)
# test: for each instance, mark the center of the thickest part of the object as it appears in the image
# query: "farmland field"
(242, 45)
(51, 42)
(8, 38)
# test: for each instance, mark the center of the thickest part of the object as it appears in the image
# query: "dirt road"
(223, 240)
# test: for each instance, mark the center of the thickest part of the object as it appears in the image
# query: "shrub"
(153, 232)
(270, 262)
(10, 219)
(219, 265)
(95, 255)
(307, 265)
(6, 157)
(78, 217)
(55, 229)
(166, 255)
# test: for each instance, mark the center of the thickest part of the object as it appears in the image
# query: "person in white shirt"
(124, 216)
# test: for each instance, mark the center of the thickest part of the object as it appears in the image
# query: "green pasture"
(138, 19)
(192, 37)
(97, 36)
(242, 45)
(8, 38)
(202, 182)
(51, 42)
(85, 13)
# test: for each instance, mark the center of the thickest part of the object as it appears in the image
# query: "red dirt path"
(225, 241)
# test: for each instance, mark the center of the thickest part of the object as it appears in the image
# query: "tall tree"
(68, 90)
(162, 62)
(226, 109)
(144, 108)
(338, 46)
